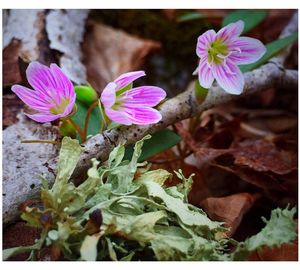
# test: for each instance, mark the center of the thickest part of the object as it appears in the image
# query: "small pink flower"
(221, 53)
(133, 106)
(53, 96)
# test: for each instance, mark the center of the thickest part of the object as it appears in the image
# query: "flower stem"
(78, 129)
(87, 117)
(40, 141)
(104, 124)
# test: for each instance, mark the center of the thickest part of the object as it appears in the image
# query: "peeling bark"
(65, 29)
(22, 163)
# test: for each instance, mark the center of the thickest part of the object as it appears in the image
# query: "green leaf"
(141, 228)
(68, 158)
(122, 176)
(251, 18)
(181, 209)
(186, 185)
(190, 16)
(159, 142)
(111, 251)
(95, 120)
(158, 176)
(281, 228)
(85, 94)
(116, 156)
(273, 48)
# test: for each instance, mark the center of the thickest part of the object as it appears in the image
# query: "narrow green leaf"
(272, 49)
(159, 142)
(251, 18)
(190, 16)
(200, 92)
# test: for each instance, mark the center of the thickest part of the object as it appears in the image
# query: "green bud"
(86, 94)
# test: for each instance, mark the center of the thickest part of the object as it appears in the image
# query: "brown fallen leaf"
(12, 105)
(109, 52)
(262, 155)
(229, 209)
(11, 70)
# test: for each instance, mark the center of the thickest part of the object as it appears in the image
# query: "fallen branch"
(186, 105)
(173, 110)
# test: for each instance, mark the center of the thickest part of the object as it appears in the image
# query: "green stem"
(40, 141)
(87, 117)
(78, 129)
(105, 120)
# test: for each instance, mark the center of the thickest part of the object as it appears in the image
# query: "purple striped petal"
(119, 116)
(108, 95)
(63, 83)
(148, 96)
(229, 77)
(128, 78)
(42, 80)
(230, 31)
(43, 117)
(143, 116)
(69, 107)
(204, 42)
(205, 73)
(31, 98)
(246, 50)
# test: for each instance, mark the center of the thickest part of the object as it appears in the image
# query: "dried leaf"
(229, 209)
(11, 71)
(286, 252)
(109, 52)
(263, 156)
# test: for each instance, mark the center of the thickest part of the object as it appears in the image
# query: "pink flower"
(221, 53)
(132, 106)
(53, 96)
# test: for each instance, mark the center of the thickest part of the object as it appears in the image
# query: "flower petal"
(148, 96)
(205, 73)
(69, 107)
(229, 77)
(120, 117)
(41, 79)
(42, 117)
(230, 31)
(143, 116)
(63, 83)
(246, 50)
(204, 41)
(128, 78)
(31, 98)
(108, 95)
